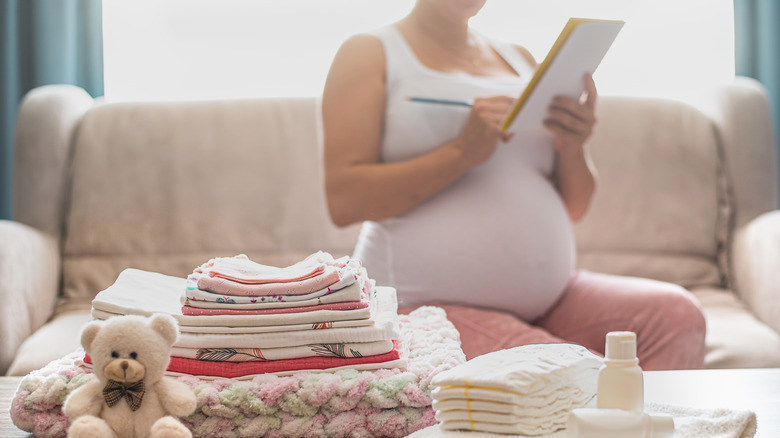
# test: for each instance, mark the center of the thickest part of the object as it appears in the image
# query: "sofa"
(686, 194)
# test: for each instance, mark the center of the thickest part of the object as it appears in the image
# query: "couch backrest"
(166, 186)
(661, 209)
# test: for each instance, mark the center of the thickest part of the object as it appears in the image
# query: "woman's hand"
(571, 121)
(482, 132)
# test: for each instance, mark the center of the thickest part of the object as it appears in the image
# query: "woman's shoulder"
(371, 40)
(360, 57)
(362, 46)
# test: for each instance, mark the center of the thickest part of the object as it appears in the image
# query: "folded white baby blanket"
(526, 390)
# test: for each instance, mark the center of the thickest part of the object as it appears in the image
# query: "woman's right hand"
(482, 132)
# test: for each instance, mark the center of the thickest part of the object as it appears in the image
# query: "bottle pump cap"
(621, 345)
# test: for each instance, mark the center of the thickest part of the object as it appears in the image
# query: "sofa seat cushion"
(53, 340)
(735, 337)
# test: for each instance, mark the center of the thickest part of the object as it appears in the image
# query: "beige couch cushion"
(57, 338)
(735, 338)
(658, 211)
(166, 186)
(29, 276)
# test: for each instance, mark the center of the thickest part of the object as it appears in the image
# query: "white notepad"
(578, 50)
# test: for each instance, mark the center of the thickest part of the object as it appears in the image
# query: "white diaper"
(526, 390)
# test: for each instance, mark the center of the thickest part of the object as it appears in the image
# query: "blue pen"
(440, 101)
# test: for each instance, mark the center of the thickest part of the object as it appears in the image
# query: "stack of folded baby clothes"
(239, 286)
(527, 390)
(278, 299)
(240, 318)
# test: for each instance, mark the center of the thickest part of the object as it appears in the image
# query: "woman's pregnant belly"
(497, 238)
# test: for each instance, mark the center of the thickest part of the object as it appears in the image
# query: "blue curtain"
(757, 48)
(44, 42)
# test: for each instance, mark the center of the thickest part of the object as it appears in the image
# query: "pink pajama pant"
(667, 319)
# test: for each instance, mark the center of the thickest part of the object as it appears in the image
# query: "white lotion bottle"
(620, 381)
(617, 423)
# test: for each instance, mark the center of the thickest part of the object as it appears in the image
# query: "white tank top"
(499, 237)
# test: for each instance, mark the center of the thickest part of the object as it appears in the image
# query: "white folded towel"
(688, 423)
(707, 423)
(436, 431)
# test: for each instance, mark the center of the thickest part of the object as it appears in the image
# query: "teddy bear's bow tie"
(115, 391)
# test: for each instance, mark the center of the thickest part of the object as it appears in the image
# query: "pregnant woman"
(458, 214)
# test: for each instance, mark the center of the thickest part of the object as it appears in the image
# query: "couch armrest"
(29, 282)
(755, 259)
(48, 120)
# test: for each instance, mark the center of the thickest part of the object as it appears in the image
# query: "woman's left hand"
(570, 120)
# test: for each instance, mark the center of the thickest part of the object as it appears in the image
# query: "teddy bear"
(131, 397)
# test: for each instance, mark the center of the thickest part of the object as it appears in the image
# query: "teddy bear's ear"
(88, 334)
(166, 326)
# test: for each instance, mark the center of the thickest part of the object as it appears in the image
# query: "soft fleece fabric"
(385, 402)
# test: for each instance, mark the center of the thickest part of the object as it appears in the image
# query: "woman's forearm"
(575, 179)
(377, 191)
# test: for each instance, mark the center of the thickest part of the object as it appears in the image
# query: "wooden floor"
(8, 387)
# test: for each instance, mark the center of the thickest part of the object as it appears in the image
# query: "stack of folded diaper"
(527, 390)
(240, 318)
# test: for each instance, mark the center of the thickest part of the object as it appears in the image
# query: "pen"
(440, 101)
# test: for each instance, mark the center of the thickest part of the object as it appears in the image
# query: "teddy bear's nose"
(123, 364)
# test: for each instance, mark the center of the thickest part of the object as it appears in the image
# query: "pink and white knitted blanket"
(344, 403)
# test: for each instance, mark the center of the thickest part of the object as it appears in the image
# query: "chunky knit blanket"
(345, 403)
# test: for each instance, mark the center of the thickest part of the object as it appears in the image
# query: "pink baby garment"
(238, 369)
(332, 278)
(354, 292)
(240, 269)
(255, 354)
(188, 310)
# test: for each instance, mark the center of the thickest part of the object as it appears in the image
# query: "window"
(205, 49)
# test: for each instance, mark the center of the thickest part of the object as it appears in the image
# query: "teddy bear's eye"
(114, 354)
(133, 355)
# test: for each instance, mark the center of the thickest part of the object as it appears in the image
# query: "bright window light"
(209, 49)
